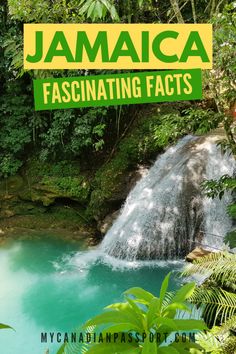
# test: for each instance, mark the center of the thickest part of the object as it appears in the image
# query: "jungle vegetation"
(68, 139)
(58, 147)
(142, 312)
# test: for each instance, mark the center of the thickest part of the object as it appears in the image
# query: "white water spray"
(165, 213)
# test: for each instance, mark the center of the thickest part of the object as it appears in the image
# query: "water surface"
(46, 286)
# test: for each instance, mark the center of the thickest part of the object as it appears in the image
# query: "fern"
(218, 305)
(219, 267)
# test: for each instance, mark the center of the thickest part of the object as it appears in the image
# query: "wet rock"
(109, 220)
(128, 181)
(198, 252)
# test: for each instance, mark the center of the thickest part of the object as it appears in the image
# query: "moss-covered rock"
(43, 196)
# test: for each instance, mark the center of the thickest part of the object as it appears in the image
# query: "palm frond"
(218, 305)
(220, 267)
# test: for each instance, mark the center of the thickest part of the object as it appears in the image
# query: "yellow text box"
(117, 46)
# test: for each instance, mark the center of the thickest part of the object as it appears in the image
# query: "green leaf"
(110, 348)
(4, 326)
(176, 306)
(85, 7)
(167, 350)
(184, 292)
(149, 347)
(91, 12)
(114, 14)
(187, 347)
(135, 308)
(122, 327)
(152, 311)
(209, 342)
(62, 349)
(114, 317)
(164, 288)
(166, 322)
(140, 293)
(217, 304)
(126, 310)
(140, 3)
(188, 324)
(98, 9)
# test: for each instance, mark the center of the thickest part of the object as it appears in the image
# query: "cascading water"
(216, 221)
(165, 212)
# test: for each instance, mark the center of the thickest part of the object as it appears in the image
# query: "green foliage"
(220, 267)
(229, 346)
(98, 9)
(220, 339)
(173, 126)
(15, 133)
(44, 11)
(218, 304)
(70, 187)
(209, 342)
(230, 238)
(217, 299)
(69, 134)
(227, 146)
(9, 165)
(142, 312)
(4, 326)
(201, 120)
(215, 188)
(71, 131)
(64, 168)
(222, 79)
(216, 295)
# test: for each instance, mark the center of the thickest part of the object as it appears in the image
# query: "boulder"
(198, 252)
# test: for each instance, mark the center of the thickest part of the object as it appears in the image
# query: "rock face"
(198, 252)
(31, 200)
(109, 220)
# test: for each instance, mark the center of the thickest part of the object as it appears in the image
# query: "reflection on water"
(46, 287)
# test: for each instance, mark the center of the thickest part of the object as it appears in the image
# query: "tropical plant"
(220, 339)
(216, 296)
(143, 313)
(221, 80)
(218, 188)
(4, 326)
(98, 9)
(215, 188)
(194, 119)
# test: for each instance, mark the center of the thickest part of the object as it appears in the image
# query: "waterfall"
(166, 211)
